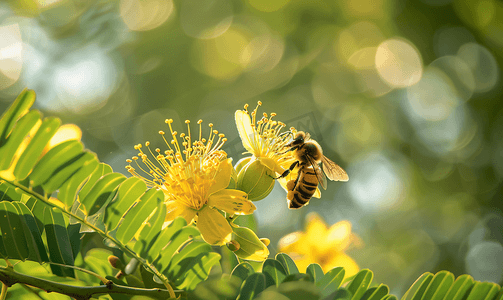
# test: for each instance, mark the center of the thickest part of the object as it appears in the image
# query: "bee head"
(299, 138)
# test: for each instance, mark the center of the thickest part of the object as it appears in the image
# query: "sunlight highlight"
(11, 59)
(398, 63)
(143, 15)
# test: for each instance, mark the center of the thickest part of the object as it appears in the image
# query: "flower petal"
(232, 202)
(246, 131)
(341, 260)
(213, 226)
(223, 177)
(175, 209)
(339, 235)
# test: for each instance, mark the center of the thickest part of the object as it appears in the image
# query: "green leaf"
(416, 291)
(150, 232)
(376, 293)
(315, 272)
(243, 270)
(439, 285)
(60, 249)
(102, 191)
(359, 285)
(12, 231)
(182, 261)
(20, 106)
(101, 170)
(66, 171)
(37, 208)
(340, 294)
(19, 132)
(299, 290)
(331, 281)
(287, 263)
(57, 158)
(68, 191)
(390, 297)
(36, 248)
(9, 192)
(250, 246)
(253, 285)
(96, 260)
(460, 287)
(297, 277)
(198, 270)
(34, 149)
(274, 272)
(129, 191)
(161, 240)
(166, 254)
(138, 214)
(483, 291)
(222, 288)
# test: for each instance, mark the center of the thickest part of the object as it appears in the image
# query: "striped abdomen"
(304, 189)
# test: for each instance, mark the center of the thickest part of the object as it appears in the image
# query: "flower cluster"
(322, 244)
(201, 185)
(194, 176)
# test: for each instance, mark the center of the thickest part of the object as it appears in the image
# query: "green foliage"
(274, 283)
(88, 193)
(91, 198)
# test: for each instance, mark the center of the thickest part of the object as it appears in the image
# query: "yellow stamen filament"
(186, 171)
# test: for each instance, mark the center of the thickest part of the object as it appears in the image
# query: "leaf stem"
(3, 295)
(10, 277)
(99, 231)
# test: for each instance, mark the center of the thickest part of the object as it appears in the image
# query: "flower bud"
(255, 179)
(250, 246)
(115, 262)
(241, 163)
(233, 246)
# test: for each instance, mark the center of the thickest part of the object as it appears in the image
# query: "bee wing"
(333, 170)
(322, 179)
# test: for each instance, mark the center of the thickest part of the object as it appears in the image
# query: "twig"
(9, 277)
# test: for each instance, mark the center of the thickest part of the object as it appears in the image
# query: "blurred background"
(404, 94)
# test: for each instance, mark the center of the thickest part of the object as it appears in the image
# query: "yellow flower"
(321, 244)
(263, 139)
(194, 177)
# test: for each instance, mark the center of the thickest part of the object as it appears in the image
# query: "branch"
(9, 277)
(131, 253)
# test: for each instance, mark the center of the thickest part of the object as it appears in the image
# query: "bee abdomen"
(303, 191)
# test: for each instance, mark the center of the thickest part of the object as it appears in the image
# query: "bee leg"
(291, 149)
(287, 171)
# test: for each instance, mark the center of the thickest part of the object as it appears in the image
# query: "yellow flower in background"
(263, 139)
(322, 244)
(194, 177)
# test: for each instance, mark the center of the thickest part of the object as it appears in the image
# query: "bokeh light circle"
(484, 67)
(206, 19)
(434, 97)
(142, 15)
(85, 80)
(375, 183)
(484, 261)
(398, 63)
(459, 73)
(11, 55)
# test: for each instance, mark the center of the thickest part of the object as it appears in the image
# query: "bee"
(308, 155)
